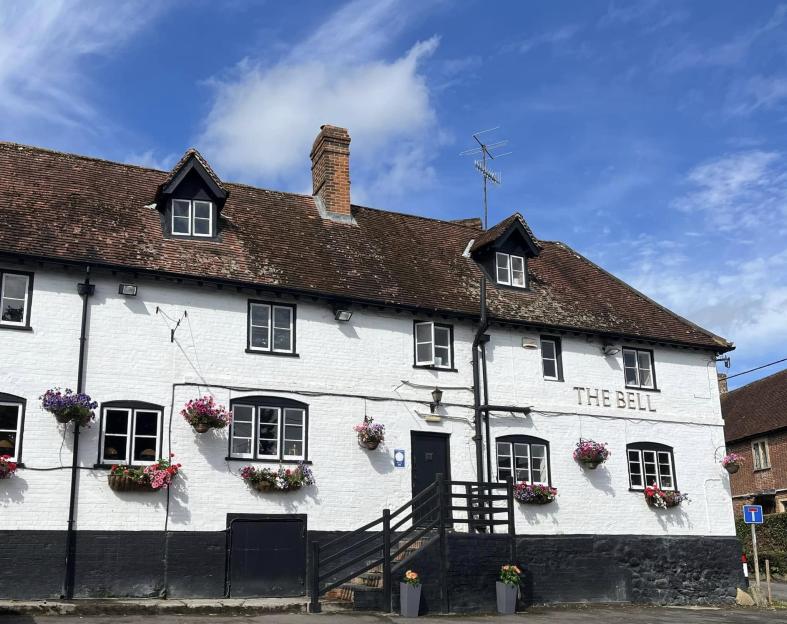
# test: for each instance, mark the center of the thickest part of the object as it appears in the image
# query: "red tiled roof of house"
(756, 408)
(73, 208)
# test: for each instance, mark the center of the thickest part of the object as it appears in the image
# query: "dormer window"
(192, 217)
(510, 270)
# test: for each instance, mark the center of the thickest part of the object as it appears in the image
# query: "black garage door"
(267, 556)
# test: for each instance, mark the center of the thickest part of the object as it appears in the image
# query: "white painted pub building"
(304, 314)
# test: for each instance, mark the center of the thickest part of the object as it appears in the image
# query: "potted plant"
(507, 589)
(410, 594)
(69, 406)
(534, 494)
(663, 499)
(732, 462)
(157, 476)
(7, 467)
(591, 453)
(370, 434)
(203, 414)
(281, 480)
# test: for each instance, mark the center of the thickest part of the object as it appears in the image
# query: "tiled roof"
(756, 408)
(68, 207)
(494, 232)
(184, 159)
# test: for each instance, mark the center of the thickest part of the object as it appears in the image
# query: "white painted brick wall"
(130, 357)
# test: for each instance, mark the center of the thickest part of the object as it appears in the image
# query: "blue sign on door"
(752, 514)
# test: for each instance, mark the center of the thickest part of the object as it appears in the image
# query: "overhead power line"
(751, 370)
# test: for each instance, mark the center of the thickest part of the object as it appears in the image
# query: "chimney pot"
(330, 157)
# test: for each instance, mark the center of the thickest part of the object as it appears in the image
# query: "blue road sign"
(752, 514)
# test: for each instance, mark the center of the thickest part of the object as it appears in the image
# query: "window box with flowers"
(7, 467)
(663, 499)
(281, 480)
(534, 493)
(203, 414)
(157, 476)
(590, 453)
(370, 434)
(732, 462)
(68, 406)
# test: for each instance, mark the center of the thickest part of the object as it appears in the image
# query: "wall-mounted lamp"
(529, 343)
(343, 315)
(437, 396)
(129, 290)
(608, 349)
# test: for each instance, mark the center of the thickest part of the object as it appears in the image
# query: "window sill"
(250, 460)
(16, 327)
(638, 389)
(436, 368)
(642, 490)
(761, 469)
(109, 466)
(277, 353)
(554, 380)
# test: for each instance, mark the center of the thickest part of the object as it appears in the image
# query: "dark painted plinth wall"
(666, 570)
(568, 569)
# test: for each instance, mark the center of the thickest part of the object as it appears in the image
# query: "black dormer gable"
(191, 199)
(513, 238)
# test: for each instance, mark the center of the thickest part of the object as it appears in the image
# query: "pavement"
(779, 591)
(577, 615)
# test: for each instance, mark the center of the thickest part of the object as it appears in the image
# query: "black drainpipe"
(85, 290)
(478, 437)
(484, 340)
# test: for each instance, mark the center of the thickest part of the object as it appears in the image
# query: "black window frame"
(269, 351)
(558, 356)
(133, 406)
(530, 441)
(433, 366)
(281, 403)
(656, 447)
(25, 326)
(12, 399)
(638, 350)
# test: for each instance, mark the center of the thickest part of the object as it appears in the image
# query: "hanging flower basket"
(67, 406)
(534, 494)
(663, 499)
(203, 414)
(590, 453)
(150, 478)
(281, 480)
(370, 434)
(7, 467)
(732, 462)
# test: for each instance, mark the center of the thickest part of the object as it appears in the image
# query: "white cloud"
(44, 45)
(149, 159)
(548, 38)
(265, 116)
(739, 191)
(759, 92)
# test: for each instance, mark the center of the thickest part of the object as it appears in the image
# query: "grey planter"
(409, 599)
(506, 598)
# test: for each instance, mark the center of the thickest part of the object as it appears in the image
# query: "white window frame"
(17, 432)
(432, 342)
(556, 359)
(636, 456)
(766, 454)
(281, 433)
(131, 418)
(512, 452)
(25, 301)
(192, 217)
(637, 353)
(509, 269)
(271, 314)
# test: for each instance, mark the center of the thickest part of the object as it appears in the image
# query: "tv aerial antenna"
(487, 152)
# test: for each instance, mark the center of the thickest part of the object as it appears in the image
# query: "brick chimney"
(722, 382)
(331, 169)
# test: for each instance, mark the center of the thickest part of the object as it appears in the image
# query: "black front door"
(267, 556)
(430, 456)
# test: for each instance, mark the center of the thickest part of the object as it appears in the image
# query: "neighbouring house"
(755, 426)
(304, 316)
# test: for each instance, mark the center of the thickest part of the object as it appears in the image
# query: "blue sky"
(650, 136)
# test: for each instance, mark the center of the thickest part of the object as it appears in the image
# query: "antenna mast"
(486, 151)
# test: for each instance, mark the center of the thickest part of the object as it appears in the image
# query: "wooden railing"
(387, 542)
